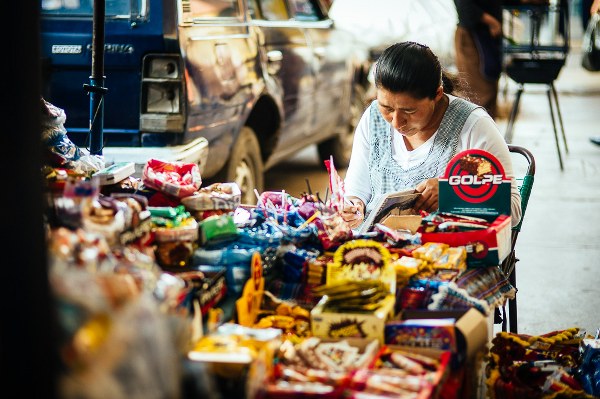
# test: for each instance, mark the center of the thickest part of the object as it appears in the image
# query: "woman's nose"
(397, 121)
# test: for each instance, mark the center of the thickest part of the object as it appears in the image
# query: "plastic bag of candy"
(174, 178)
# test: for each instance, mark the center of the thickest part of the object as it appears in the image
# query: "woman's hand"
(353, 212)
(428, 200)
(595, 7)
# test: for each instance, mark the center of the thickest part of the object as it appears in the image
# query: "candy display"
(544, 366)
(282, 299)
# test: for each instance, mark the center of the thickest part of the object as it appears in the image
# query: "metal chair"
(525, 184)
(532, 58)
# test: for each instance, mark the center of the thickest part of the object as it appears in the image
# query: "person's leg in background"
(480, 90)
(586, 11)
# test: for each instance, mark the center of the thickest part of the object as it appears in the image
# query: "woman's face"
(409, 116)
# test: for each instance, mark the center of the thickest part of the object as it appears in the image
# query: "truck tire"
(340, 146)
(245, 166)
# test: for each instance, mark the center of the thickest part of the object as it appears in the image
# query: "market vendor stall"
(157, 276)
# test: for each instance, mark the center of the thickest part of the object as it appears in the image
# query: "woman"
(407, 136)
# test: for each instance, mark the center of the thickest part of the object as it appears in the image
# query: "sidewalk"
(558, 276)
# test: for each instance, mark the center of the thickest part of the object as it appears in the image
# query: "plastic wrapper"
(234, 256)
(138, 221)
(217, 196)
(294, 260)
(589, 369)
(61, 151)
(261, 235)
(215, 229)
(51, 115)
(175, 245)
(534, 366)
(174, 253)
(279, 207)
(333, 230)
(430, 251)
(174, 178)
(110, 359)
(78, 249)
(186, 231)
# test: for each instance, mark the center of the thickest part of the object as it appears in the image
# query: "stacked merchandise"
(559, 364)
(145, 269)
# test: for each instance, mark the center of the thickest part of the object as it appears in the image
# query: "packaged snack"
(174, 178)
(430, 251)
(217, 196)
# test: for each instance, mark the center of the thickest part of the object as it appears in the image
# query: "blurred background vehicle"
(380, 23)
(233, 85)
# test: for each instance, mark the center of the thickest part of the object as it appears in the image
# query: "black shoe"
(595, 140)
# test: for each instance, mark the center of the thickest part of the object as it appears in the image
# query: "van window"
(82, 8)
(203, 9)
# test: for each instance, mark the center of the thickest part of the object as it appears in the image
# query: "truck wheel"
(245, 166)
(340, 146)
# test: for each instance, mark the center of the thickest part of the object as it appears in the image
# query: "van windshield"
(85, 8)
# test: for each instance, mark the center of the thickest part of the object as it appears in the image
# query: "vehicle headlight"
(163, 68)
(163, 91)
(163, 98)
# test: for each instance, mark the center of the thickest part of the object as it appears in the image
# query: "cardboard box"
(434, 333)
(326, 324)
(238, 370)
(484, 247)
(470, 329)
(403, 222)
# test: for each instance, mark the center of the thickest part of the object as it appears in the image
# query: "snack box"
(470, 333)
(484, 247)
(436, 334)
(335, 325)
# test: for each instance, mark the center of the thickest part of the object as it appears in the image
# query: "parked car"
(234, 85)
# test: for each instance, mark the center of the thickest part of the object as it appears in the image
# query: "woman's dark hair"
(411, 68)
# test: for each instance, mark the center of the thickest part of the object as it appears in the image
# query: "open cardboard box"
(327, 324)
(402, 222)
(474, 184)
(470, 329)
(484, 247)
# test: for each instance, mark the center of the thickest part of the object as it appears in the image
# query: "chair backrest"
(525, 184)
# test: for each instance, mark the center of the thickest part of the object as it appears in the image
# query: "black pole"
(96, 89)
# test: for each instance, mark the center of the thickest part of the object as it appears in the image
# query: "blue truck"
(236, 86)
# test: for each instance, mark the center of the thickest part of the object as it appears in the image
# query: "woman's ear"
(439, 93)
